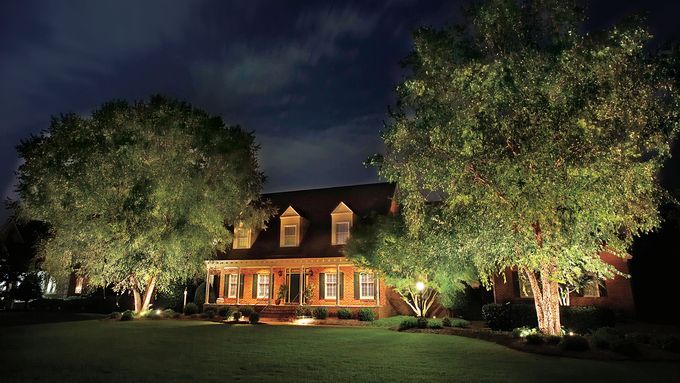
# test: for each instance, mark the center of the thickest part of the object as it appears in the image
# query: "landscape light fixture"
(420, 286)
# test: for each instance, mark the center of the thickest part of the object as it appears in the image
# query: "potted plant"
(281, 296)
(307, 293)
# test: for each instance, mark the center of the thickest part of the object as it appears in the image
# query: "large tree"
(545, 142)
(139, 195)
(382, 243)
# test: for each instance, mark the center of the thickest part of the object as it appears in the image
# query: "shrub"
(497, 316)
(639, 337)
(366, 315)
(522, 332)
(127, 316)
(535, 338)
(408, 323)
(169, 313)
(574, 343)
(434, 324)
(237, 316)
(225, 312)
(246, 311)
(523, 314)
(460, 323)
(254, 317)
(190, 309)
(320, 313)
(606, 337)
(302, 311)
(586, 318)
(553, 339)
(446, 322)
(421, 322)
(208, 314)
(669, 343)
(344, 314)
(115, 315)
(154, 314)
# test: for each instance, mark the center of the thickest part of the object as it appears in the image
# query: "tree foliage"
(544, 141)
(139, 195)
(382, 243)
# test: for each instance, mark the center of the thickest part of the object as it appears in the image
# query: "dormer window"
(290, 235)
(242, 237)
(292, 228)
(341, 232)
(342, 218)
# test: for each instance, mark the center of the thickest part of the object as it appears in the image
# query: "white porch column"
(207, 284)
(238, 284)
(337, 285)
(302, 279)
(271, 284)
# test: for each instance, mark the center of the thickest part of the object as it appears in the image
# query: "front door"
(293, 288)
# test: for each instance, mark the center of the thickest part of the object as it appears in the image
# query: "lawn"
(184, 351)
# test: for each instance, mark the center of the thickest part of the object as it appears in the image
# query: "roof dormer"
(292, 228)
(243, 236)
(342, 220)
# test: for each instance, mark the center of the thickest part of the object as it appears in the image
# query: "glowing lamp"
(420, 286)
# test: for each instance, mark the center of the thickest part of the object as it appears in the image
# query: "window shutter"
(271, 285)
(515, 284)
(356, 285)
(322, 286)
(225, 286)
(254, 285)
(376, 285)
(241, 278)
(341, 283)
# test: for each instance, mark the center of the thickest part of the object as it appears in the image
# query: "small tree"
(544, 142)
(382, 243)
(139, 195)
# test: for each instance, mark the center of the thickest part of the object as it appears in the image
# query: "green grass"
(389, 322)
(193, 351)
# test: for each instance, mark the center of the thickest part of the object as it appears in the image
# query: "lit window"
(366, 286)
(79, 286)
(290, 235)
(331, 286)
(233, 286)
(241, 238)
(341, 233)
(591, 288)
(524, 286)
(263, 286)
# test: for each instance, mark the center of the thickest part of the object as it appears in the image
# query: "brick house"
(301, 249)
(615, 293)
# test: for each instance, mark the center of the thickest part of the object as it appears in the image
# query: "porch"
(326, 282)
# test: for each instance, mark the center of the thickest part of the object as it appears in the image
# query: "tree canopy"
(382, 243)
(139, 195)
(544, 141)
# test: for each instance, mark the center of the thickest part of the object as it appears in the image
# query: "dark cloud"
(313, 79)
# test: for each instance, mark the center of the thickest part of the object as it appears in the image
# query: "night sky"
(312, 79)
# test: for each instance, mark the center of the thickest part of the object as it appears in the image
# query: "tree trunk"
(546, 300)
(142, 298)
(150, 286)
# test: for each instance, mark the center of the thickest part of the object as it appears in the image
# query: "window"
(290, 235)
(524, 286)
(79, 286)
(331, 286)
(241, 238)
(341, 233)
(366, 286)
(263, 286)
(233, 286)
(591, 288)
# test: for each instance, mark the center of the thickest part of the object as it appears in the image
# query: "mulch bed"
(648, 353)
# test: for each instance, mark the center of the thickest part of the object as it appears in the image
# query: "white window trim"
(332, 292)
(295, 236)
(232, 286)
(236, 238)
(337, 232)
(361, 283)
(260, 293)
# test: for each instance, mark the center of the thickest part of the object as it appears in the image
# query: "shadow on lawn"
(21, 318)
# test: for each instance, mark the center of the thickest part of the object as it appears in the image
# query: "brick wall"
(619, 293)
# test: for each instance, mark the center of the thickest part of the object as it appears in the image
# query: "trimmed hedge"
(254, 318)
(574, 343)
(237, 316)
(127, 316)
(421, 322)
(320, 313)
(408, 323)
(191, 308)
(225, 312)
(434, 324)
(366, 315)
(505, 317)
(246, 311)
(344, 314)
